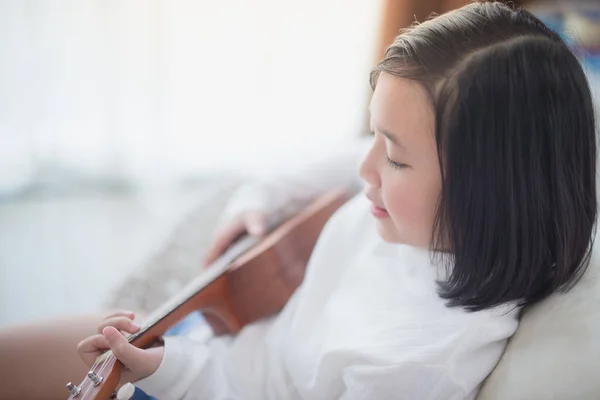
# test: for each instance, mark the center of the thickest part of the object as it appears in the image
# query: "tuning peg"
(126, 392)
(96, 380)
(74, 390)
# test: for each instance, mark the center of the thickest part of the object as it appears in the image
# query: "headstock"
(100, 382)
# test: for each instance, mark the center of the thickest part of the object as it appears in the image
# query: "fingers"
(142, 362)
(222, 240)
(139, 363)
(91, 348)
(92, 344)
(121, 323)
(255, 223)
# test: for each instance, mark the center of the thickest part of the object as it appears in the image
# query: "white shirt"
(366, 323)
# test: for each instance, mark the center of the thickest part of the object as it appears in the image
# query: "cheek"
(411, 204)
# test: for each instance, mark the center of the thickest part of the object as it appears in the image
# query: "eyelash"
(393, 164)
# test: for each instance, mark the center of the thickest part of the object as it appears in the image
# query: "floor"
(61, 255)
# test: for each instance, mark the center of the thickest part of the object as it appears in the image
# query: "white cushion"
(555, 353)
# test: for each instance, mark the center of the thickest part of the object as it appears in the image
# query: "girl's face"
(401, 169)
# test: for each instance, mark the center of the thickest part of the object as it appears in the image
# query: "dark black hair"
(517, 149)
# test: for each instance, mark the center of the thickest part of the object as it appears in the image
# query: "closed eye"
(395, 165)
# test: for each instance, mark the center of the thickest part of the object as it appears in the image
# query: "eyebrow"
(391, 137)
(387, 134)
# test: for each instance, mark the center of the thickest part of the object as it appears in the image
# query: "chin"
(391, 235)
(386, 234)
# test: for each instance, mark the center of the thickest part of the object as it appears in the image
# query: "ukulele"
(253, 279)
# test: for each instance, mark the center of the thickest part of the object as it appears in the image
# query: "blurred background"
(120, 119)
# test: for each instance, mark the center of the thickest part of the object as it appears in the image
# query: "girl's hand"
(253, 222)
(138, 363)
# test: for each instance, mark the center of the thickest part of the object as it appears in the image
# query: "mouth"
(377, 211)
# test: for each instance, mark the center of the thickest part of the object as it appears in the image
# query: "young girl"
(479, 199)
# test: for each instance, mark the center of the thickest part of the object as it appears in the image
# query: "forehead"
(401, 106)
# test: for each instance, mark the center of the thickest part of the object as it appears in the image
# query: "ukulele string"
(90, 387)
(104, 363)
(243, 243)
(92, 368)
(152, 319)
(103, 367)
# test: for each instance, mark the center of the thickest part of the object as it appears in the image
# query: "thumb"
(256, 223)
(137, 360)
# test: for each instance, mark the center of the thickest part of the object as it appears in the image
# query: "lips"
(377, 210)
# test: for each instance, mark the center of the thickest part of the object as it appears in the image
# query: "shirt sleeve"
(283, 193)
(225, 367)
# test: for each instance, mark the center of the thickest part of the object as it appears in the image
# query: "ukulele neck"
(213, 272)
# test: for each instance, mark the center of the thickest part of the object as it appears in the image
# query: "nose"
(368, 168)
